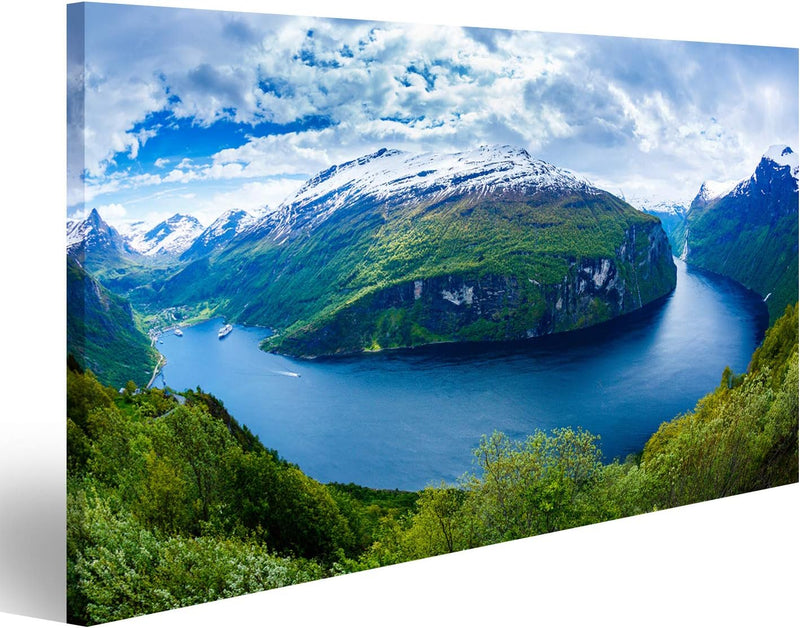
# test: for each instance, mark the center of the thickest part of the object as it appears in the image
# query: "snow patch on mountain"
(232, 222)
(711, 190)
(76, 232)
(168, 238)
(400, 177)
(133, 231)
(782, 155)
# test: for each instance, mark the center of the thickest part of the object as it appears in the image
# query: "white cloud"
(114, 103)
(608, 107)
(250, 197)
(113, 212)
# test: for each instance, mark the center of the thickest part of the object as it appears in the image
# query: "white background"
(729, 562)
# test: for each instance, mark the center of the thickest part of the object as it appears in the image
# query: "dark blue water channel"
(405, 419)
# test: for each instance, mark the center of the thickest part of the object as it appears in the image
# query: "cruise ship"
(224, 331)
(178, 331)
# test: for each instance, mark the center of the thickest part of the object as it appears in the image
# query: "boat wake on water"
(287, 373)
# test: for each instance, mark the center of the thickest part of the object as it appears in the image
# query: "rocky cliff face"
(457, 307)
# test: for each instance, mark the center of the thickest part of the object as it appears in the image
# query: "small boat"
(224, 331)
(178, 331)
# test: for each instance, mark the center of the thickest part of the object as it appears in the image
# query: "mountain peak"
(94, 237)
(94, 218)
(711, 191)
(782, 156)
(227, 226)
(714, 189)
(397, 177)
(170, 237)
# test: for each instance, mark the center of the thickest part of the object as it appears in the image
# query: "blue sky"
(201, 111)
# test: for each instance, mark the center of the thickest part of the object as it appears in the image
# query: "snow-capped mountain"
(774, 177)
(220, 232)
(168, 238)
(94, 239)
(710, 191)
(782, 156)
(658, 207)
(778, 164)
(397, 177)
(750, 233)
(779, 161)
(397, 249)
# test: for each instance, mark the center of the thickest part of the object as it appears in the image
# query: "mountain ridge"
(750, 233)
(361, 236)
(397, 177)
(169, 238)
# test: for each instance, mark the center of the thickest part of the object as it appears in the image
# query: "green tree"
(192, 445)
(533, 486)
(741, 437)
(438, 525)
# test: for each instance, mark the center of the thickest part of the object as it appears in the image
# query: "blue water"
(405, 419)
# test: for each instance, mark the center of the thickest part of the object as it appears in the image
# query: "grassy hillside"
(355, 259)
(751, 236)
(102, 333)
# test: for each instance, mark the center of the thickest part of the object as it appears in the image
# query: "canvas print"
(343, 294)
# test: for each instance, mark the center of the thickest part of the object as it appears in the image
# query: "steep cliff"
(750, 233)
(474, 307)
(102, 333)
(395, 250)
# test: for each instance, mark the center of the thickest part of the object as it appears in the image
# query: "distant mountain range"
(671, 214)
(179, 236)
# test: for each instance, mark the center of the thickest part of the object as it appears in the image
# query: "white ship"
(178, 331)
(224, 331)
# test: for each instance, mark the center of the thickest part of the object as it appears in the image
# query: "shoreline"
(159, 365)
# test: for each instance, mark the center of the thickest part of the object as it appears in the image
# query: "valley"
(474, 255)
(406, 417)
(399, 250)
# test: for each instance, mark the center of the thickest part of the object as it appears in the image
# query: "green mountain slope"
(395, 271)
(102, 333)
(750, 234)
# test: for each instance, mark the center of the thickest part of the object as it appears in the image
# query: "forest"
(172, 502)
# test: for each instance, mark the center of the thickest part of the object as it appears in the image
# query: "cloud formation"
(259, 97)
